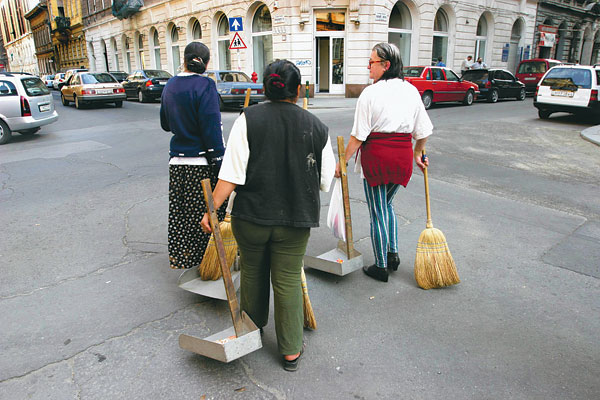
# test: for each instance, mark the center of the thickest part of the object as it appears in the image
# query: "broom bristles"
(434, 265)
(210, 269)
(309, 316)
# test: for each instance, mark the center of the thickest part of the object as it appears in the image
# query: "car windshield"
(532, 67)
(48, 77)
(568, 77)
(34, 86)
(234, 77)
(476, 76)
(412, 71)
(103, 77)
(156, 73)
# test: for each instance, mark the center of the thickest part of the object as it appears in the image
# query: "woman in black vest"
(278, 157)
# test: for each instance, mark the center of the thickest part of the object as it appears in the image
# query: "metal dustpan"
(190, 280)
(244, 337)
(344, 258)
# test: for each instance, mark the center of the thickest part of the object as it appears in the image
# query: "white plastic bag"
(335, 216)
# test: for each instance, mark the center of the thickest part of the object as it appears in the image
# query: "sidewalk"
(323, 101)
(592, 134)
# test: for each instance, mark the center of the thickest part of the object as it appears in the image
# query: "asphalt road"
(89, 308)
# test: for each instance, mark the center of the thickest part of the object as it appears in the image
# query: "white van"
(568, 88)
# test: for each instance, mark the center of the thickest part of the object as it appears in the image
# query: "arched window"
(115, 54)
(262, 40)
(440, 37)
(156, 49)
(223, 43)
(127, 51)
(175, 49)
(196, 30)
(400, 30)
(481, 38)
(141, 62)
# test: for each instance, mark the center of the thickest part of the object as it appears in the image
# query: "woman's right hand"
(338, 170)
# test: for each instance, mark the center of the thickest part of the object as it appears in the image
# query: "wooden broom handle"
(234, 306)
(346, 197)
(247, 99)
(429, 223)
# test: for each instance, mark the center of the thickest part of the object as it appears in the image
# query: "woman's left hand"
(205, 224)
(421, 161)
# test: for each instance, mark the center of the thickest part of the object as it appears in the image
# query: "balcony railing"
(62, 24)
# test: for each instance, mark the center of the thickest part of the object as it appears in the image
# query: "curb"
(592, 134)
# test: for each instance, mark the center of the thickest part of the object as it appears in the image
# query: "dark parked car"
(232, 86)
(119, 75)
(496, 84)
(146, 84)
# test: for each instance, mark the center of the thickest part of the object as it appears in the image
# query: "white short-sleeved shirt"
(392, 106)
(237, 153)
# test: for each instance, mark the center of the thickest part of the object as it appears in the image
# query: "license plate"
(104, 91)
(44, 107)
(529, 79)
(562, 93)
(255, 92)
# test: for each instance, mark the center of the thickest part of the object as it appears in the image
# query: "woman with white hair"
(389, 115)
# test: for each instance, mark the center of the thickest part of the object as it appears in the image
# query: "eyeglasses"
(371, 62)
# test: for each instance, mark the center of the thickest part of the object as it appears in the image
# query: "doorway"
(329, 52)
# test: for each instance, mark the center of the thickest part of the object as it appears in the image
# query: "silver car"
(25, 105)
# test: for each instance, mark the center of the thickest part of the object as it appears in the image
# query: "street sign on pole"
(237, 42)
(235, 24)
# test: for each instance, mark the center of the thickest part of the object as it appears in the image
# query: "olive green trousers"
(273, 252)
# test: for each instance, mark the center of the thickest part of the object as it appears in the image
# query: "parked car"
(92, 87)
(120, 76)
(440, 84)
(568, 88)
(69, 74)
(496, 84)
(232, 86)
(25, 105)
(531, 71)
(146, 84)
(48, 80)
(58, 79)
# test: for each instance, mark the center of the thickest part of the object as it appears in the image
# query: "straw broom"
(209, 267)
(309, 315)
(434, 266)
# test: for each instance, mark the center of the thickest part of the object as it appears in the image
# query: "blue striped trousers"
(384, 225)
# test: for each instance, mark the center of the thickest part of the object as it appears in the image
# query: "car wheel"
(64, 101)
(30, 132)
(469, 98)
(427, 100)
(78, 103)
(544, 114)
(493, 97)
(5, 133)
(119, 103)
(522, 94)
(142, 97)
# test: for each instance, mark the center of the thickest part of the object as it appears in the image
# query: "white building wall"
(295, 41)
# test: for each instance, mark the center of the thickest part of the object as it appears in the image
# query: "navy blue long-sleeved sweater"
(190, 110)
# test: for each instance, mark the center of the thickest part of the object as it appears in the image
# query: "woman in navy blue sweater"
(190, 110)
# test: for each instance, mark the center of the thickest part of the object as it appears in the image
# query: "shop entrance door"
(329, 52)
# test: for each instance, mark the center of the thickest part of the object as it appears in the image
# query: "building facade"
(329, 40)
(68, 37)
(568, 30)
(40, 27)
(18, 39)
(3, 55)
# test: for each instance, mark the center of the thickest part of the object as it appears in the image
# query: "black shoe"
(381, 274)
(393, 261)
(293, 365)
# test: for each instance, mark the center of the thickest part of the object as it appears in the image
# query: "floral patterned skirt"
(187, 241)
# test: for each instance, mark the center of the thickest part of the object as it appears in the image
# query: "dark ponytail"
(281, 80)
(196, 57)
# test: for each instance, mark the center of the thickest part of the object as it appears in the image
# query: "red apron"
(387, 158)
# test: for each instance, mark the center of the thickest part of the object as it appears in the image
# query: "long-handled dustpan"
(344, 259)
(244, 337)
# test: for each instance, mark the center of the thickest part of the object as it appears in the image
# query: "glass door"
(329, 51)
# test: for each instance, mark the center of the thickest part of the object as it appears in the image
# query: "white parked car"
(58, 78)
(568, 88)
(48, 80)
(25, 105)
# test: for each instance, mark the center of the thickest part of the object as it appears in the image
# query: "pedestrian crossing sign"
(237, 42)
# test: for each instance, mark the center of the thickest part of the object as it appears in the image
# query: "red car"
(439, 84)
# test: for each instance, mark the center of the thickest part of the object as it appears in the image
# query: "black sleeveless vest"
(284, 167)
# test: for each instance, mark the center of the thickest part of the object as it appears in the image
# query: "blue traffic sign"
(235, 24)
